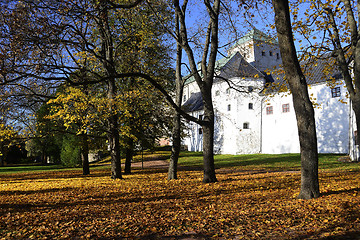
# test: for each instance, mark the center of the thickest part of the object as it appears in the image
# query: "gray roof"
(232, 66)
(194, 103)
(314, 74)
(237, 66)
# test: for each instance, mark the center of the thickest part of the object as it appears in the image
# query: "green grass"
(30, 168)
(266, 162)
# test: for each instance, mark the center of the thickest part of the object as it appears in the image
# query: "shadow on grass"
(190, 235)
(353, 190)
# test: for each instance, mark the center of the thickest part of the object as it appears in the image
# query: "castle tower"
(258, 49)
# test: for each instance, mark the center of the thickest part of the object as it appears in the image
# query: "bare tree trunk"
(107, 52)
(129, 155)
(176, 131)
(356, 108)
(303, 107)
(205, 81)
(175, 149)
(85, 154)
(113, 136)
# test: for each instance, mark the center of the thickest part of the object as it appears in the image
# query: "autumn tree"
(78, 38)
(330, 31)
(303, 107)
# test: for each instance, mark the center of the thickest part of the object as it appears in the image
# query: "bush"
(70, 152)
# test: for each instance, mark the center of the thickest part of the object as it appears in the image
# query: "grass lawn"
(256, 204)
(267, 162)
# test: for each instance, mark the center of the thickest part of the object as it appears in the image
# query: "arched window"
(245, 125)
(229, 107)
(251, 106)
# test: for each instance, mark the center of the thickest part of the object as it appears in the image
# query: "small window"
(250, 88)
(200, 131)
(217, 93)
(184, 98)
(286, 108)
(229, 107)
(228, 91)
(355, 137)
(201, 117)
(263, 53)
(277, 55)
(251, 106)
(335, 92)
(269, 110)
(245, 125)
(270, 53)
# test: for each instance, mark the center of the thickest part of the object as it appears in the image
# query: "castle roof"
(194, 103)
(231, 66)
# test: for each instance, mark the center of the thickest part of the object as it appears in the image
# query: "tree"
(176, 131)
(337, 23)
(303, 107)
(63, 41)
(205, 77)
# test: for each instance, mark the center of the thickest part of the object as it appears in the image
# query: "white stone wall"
(190, 89)
(332, 123)
(193, 139)
(279, 130)
(332, 119)
(252, 51)
(270, 58)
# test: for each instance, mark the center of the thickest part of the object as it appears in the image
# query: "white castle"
(249, 120)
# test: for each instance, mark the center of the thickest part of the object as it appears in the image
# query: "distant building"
(252, 117)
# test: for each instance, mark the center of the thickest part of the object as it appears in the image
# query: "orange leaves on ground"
(249, 205)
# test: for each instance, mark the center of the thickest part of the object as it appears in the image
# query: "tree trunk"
(175, 149)
(208, 147)
(85, 154)
(107, 52)
(115, 150)
(356, 109)
(113, 134)
(176, 131)
(208, 140)
(129, 155)
(303, 107)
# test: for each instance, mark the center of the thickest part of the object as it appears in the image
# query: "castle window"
(286, 108)
(217, 93)
(270, 53)
(245, 125)
(269, 110)
(277, 55)
(251, 106)
(184, 97)
(263, 53)
(335, 92)
(200, 117)
(229, 107)
(228, 91)
(200, 131)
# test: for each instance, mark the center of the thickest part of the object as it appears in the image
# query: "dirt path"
(151, 164)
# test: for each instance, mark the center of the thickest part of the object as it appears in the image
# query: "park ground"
(255, 198)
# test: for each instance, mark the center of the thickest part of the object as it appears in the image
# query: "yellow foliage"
(63, 205)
